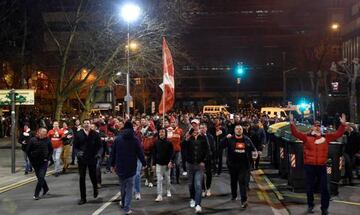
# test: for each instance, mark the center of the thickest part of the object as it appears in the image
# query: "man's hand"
(291, 117)
(343, 118)
(187, 137)
(113, 169)
(170, 165)
(228, 136)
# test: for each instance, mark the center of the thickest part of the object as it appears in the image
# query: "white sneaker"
(203, 194)
(158, 198)
(137, 196)
(168, 193)
(208, 193)
(151, 184)
(184, 173)
(146, 183)
(192, 203)
(198, 209)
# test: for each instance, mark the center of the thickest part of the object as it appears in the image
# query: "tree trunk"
(353, 102)
(59, 107)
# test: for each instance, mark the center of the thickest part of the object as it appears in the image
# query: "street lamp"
(335, 27)
(130, 13)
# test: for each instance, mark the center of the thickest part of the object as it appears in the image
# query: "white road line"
(104, 206)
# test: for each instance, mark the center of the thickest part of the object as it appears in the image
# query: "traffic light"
(240, 69)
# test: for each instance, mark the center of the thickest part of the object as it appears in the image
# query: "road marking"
(104, 206)
(302, 196)
(275, 204)
(22, 183)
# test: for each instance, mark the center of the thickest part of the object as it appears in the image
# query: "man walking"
(239, 150)
(196, 151)
(24, 140)
(39, 151)
(162, 153)
(56, 135)
(316, 148)
(124, 155)
(87, 142)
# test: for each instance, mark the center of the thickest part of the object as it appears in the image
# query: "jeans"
(239, 176)
(349, 164)
(126, 189)
(40, 172)
(137, 178)
(28, 167)
(92, 173)
(149, 174)
(73, 154)
(312, 172)
(220, 160)
(175, 172)
(208, 176)
(56, 158)
(162, 171)
(98, 170)
(108, 160)
(196, 177)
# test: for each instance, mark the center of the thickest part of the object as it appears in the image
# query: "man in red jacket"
(316, 148)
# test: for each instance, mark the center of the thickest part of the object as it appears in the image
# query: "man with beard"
(87, 142)
(316, 149)
(239, 149)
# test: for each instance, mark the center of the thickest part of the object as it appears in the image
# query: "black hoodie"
(162, 152)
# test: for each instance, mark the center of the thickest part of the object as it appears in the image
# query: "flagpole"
(163, 89)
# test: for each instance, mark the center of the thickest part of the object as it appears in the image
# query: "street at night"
(179, 107)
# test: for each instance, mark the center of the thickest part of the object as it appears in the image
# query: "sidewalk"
(5, 143)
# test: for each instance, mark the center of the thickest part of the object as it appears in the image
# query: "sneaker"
(96, 193)
(26, 173)
(82, 201)
(158, 198)
(99, 185)
(36, 197)
(45, 192)
(198, 209)
(121, 204)
(151, 184)
(146, 183)
(324, 212)
(56, 174)
(203, 194)
(192, 203)
(168, 193)
(234, 198)
(129, 212)
(244, 205)
(184, 174)
(310, 210)
(208, 193)
(137, 196)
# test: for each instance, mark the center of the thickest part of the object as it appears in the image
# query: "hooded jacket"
(126, 150)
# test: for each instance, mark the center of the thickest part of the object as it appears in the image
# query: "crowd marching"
(158, 149)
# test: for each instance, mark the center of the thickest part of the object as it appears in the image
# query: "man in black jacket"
(87, 142)
(162, 153)
(239, 149)
(209, 163)
(24, 140)
(196, 151)
(39, 151)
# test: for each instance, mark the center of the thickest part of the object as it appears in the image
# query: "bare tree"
(351, 71)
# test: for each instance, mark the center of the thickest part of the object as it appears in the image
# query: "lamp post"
(129, 12)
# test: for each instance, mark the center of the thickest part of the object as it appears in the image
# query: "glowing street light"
(335, 27)
(130, 12)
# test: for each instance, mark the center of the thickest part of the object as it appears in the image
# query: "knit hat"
(128, 125)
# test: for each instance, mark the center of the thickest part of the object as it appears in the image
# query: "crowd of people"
(160, 150)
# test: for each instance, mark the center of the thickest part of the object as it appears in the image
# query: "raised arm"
(339, 132)
(294, 131)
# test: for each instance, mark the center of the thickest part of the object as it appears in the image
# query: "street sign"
(22, 97)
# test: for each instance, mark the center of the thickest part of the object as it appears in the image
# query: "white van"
(215, 109)
(273, 112)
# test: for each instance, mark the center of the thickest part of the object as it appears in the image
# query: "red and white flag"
(168, 85)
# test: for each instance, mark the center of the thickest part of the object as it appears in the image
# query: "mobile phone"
(231, 116)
